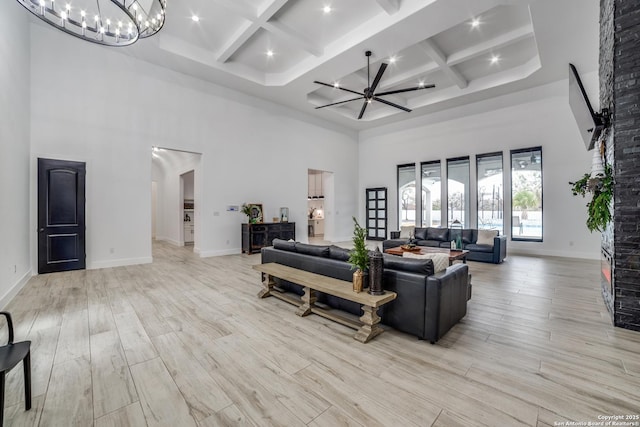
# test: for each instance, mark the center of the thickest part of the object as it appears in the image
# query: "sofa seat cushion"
(430, 243)
(440, 261)
(439, 234)
(475, 247)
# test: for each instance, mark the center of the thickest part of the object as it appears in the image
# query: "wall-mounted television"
(590, 123)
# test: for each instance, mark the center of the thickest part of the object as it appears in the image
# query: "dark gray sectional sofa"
(442, 237)
(427, 305)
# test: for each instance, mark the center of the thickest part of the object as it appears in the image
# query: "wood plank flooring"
(186, 341)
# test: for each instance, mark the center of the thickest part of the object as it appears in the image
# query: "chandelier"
(106, 22)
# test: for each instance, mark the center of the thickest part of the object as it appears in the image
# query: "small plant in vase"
(246, 209)
(359, 256)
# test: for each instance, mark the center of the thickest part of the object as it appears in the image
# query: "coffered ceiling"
(470, 49)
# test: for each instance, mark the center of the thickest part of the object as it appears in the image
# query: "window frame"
(519, 151)
(467, 221)
(478, 158)
(398, 207)
(442, 211)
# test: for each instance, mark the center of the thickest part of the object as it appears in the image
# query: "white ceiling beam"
(434, 51)
(245, 32)
(410, 76)
(389, 6)
(303, 42)
(498, 42)
(249, 29)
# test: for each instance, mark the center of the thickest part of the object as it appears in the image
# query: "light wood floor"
(185, 341)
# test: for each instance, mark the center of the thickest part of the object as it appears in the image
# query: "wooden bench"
(367, 327)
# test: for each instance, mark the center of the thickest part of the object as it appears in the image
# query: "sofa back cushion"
(440, 234)
(284, 245)
(469, 235)
(341, 254)
(420, 234)
(315, 250)
(485, 237)
(420, 266)
(440, 261)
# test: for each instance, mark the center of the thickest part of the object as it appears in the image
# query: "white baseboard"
(118, 262)
(234, 251)
(13, 291)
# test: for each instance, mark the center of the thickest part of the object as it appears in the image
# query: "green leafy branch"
(599, 214)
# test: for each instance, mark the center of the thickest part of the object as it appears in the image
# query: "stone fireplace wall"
(620, 92)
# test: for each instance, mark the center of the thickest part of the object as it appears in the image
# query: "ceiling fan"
(369, 94)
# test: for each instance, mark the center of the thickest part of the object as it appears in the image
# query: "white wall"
(537, 117)
(15, 263)
(98, 105)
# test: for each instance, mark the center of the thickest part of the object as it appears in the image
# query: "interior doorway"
(320, 206)
(176, 175)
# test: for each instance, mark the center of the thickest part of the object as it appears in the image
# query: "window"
(431, 194)
(490, 181)
(526, 194)
(406, 195)
(458, 191)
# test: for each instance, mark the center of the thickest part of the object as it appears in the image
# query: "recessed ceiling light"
(326, 9)
(195, 18)
(495, 59)
(336, 85)
(269, 53)
(421, 83)
(475, 23)
(392, 59)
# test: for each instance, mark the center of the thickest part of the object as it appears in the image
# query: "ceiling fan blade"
(409, 89)
(391, 104)
(364, 107)
(376, 80)
(341, 88)
(341, 102)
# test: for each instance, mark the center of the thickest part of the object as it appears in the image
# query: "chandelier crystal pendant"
(106, 22)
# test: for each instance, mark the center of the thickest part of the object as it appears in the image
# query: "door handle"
(41, 230)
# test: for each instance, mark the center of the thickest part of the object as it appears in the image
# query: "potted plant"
(246, 209)
(359, 255)
(601, 187)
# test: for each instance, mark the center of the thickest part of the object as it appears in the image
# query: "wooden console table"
(258, 236)
(368, 326)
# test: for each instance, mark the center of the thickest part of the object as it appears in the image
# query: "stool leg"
(1, 398)
(26, 364)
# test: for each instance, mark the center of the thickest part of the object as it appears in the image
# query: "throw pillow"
(406, 231)
(440, 261)
(485, 237)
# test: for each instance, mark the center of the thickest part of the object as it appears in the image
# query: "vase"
(358, 279)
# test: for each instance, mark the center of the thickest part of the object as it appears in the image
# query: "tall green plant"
(359, 255)
(599, 214)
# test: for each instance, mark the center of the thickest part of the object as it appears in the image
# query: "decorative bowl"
(410, 248)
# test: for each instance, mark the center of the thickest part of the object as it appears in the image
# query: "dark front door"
(61, 224)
